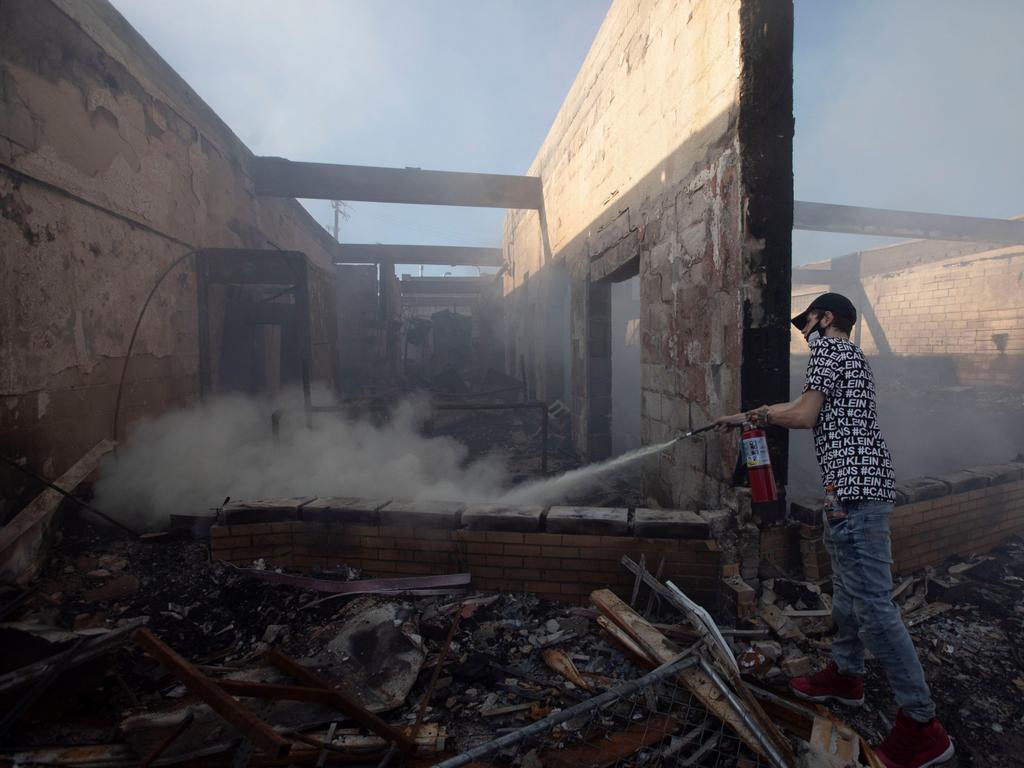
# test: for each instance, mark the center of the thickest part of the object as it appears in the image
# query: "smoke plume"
(188, 461)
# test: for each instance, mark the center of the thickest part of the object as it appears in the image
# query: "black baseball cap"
(836, 303)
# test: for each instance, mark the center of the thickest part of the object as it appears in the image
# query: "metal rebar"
(762, 738)
(673, 667)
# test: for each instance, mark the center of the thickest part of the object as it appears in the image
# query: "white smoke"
(188, 461)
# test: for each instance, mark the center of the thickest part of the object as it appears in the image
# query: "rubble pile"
(209, 610)
(451, 670)
(507, 663)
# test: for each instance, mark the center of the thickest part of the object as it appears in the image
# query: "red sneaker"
(911, 744)
(830, 685)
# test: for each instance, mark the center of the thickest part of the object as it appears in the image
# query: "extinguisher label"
(755, 451)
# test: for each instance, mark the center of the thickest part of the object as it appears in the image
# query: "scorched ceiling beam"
(278, 177)
(851, 219)
(440, 255)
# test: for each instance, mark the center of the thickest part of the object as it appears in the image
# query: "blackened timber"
(278, 177)
(233, 711)
(852, 219)
(340, 700)
(439, 255)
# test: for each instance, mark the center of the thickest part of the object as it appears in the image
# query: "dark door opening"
(254, 325)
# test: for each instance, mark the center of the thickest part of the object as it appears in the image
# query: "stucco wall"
(671, 159)
(111, 167)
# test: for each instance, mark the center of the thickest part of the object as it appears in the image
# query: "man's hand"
(725, 423)
(758, 417)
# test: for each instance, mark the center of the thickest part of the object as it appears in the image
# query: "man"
(838, 403)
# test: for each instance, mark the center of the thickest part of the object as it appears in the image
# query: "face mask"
(816, 333)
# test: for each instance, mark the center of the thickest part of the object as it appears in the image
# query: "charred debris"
(144, 651)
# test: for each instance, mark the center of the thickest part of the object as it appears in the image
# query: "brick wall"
(958, 306)
(780, 547)
(556, 566)
(956, 514)
(927, 532)
(669, 159)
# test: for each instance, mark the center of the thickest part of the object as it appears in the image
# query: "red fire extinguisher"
(759, 465)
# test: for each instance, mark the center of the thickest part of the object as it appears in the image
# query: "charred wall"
(670, 158)
(111, 168)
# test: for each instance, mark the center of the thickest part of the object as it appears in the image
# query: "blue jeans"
(863, 609)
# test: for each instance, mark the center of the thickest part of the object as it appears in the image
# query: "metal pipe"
(275, 425)
(544, 441)
(762, 738)
(673, 667)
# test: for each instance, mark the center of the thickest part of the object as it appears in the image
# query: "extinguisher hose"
(707, 428)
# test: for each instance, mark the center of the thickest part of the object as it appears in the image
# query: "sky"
(908, 104)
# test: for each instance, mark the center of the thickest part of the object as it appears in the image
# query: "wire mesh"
(662, 726)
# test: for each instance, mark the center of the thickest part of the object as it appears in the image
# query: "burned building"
(674, 169)
(116, 176)
(348, 514)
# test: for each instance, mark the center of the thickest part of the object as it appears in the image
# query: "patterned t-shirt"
(851, 452)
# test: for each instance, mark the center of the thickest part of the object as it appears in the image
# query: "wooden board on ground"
(658, 647)
(23, 541)
(625, 642)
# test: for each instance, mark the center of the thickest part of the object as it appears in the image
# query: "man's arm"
(802, 413)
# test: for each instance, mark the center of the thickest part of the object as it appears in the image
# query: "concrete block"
(343, 510)
(496, 517)
(963, 481)
(263, 510)
(998, 474)
(922, 489)
(422, 514)
(651, 404)
(670, 524)
(602, 521)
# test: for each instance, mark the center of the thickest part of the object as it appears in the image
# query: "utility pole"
(340, 212)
